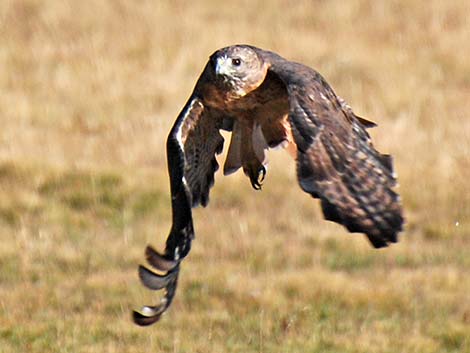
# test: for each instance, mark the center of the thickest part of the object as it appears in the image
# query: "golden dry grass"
(88, 91)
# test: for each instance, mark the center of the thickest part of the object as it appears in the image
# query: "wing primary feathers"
(151, 314)
(330, 212)
(160, 262)
(191, 147)
(154, 281)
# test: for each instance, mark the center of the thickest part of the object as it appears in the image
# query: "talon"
(255, 184)
(262, 172)
(257, 180)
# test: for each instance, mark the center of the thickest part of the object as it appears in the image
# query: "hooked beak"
(222, 66)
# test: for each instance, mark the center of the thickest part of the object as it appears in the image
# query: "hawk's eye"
(236, 62)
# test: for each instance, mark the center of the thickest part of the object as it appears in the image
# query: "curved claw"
(158, 261)
(257, 180)
(154, 281)
(262, 172)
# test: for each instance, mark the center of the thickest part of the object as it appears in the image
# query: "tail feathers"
(233, 161)
(259, 144)
(248, 150)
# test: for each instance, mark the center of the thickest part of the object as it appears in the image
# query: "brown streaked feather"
(349, 112)
(336, 161)
(202, 141)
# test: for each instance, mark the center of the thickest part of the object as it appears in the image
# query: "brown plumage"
(267, 101)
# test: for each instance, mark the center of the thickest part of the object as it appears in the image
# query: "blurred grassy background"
(88, 92)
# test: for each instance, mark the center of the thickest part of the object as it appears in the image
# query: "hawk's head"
(238, 68)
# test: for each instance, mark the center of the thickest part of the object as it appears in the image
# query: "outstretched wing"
(192, 145)
(336, 161)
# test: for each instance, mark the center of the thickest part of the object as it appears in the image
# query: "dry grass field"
(88, 92)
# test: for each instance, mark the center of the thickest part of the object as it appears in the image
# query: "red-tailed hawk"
(267, 101)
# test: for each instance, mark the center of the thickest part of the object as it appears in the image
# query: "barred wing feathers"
(336, 161)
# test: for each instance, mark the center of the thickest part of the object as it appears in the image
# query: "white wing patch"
(181, 140)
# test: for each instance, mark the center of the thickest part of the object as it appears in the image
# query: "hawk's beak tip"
(220, 66)
(219, 70)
